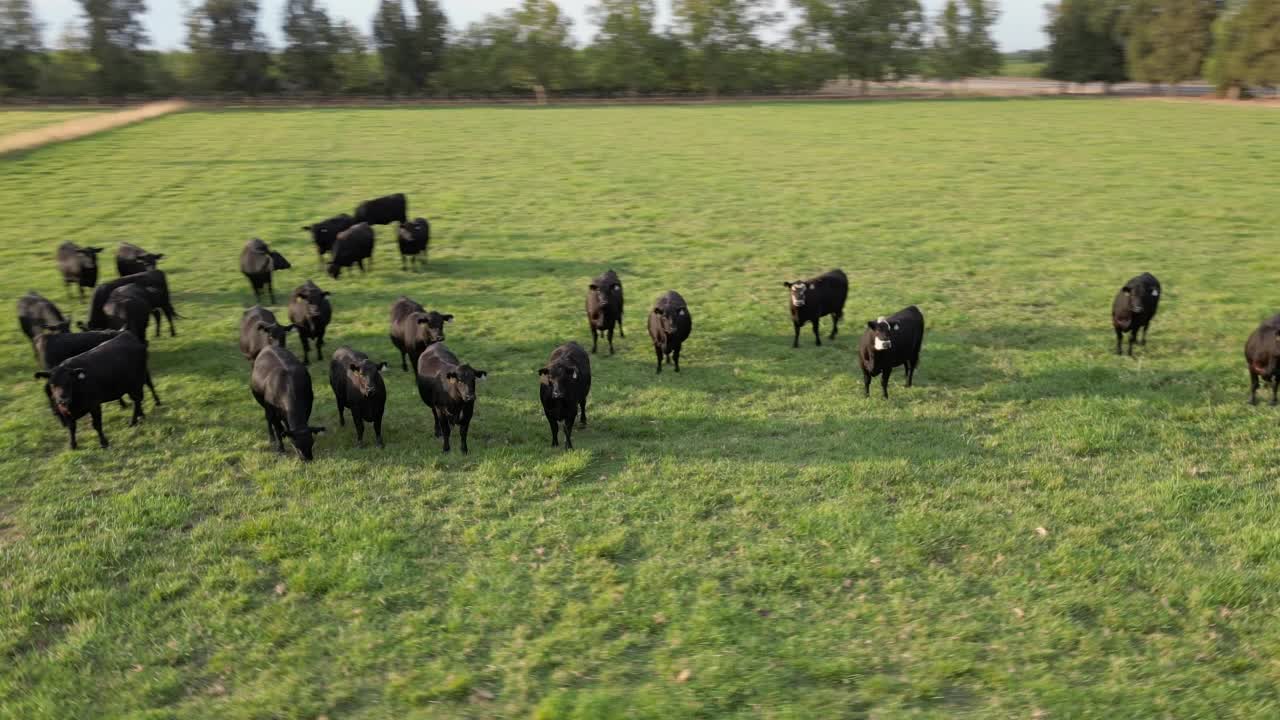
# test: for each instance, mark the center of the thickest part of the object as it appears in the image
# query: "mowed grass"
(1038, 526)
(15, 121)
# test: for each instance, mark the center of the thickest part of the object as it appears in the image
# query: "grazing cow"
(36, 315)
(414, 239)
(604, 308)
(131, 259)
(325, 232)
(352, 247)
(257, 262)
(383, 210)
(258, 329)
(1134, 308)
(1262, 354)
(812, 299)
(448, 387)
(357, 385)
(669, 325)
(413, 329)
(53, 348)
(129, 308)
(79, 266)
(889, 342)
(79, 385)
(309, 311)
(157, 287)
(564, 384)
(282, 386)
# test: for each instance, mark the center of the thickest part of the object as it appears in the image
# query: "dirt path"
(73, 129)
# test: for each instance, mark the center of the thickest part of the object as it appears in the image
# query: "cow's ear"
(447, 318)
(787, 284)
(326, 293)
(317, 430)
(593, 286)
(871, 324)
(544, 371)
(451, 376)
(42, 375)
(481, 374)
(1125, 290)
(382, 366)
(897, 327)
(354, 368)
(159, 256)
(657, 311)
(306, 228)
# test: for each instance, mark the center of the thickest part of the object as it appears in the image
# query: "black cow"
(889, 342)
(1134, 308)
(448, 387)
(669, 325)
(131, 259)
(129, 308)
(413, 329)
(357, 386)
(257, 262)
(564, 384)
(352, 247)
(414, 238)
(1262, 354)
(383, 210)
(325, 232)
(157, 287)
(78, 265)
(53, 348)
(604, 308)
(310, 312)
(37, 315)
(282, 386)
(816, 297)
(79, 385)
(258, 329)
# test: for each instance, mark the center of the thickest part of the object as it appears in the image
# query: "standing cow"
(1262, 355)
(78, 265)
(564, 384)
(325, 232)
(669, 326)
(153, 282)
(353, 246)
(129, 308)
(384, 210)
(131, 259)
(36, 315)
(414, 238)
(1134, 308)
(282, 386)
(80, 385)
(258, 329)
(54, 347)
(604, 308)
(413, 329)
(357, 386)
(448, 387)
(817, 297)
(889, 342)
(310, 312)
(257, 262)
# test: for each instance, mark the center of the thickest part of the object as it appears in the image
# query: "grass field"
(14, 121)
(1038, 526)
(1022, 69)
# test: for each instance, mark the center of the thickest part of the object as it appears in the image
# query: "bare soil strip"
(83, 127)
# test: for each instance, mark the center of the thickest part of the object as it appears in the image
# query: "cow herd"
(107, 361)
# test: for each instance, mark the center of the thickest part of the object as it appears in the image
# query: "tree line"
(713, 47)
(1233, 43)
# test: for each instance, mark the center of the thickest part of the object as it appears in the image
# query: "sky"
(1019, 27)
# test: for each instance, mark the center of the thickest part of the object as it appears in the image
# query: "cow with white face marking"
(1134, 308)
(816, 297)
(889, 342)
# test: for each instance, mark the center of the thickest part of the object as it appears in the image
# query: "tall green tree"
(544, 48)
(230, 53)
(878, 40)
(310, 46)
(1086, 42)
(397, 47)
(722, 34)
(1246, 47)
(20, 47)
(981, 56)
(1169, 40)
(357, 70)
(948, 57)
(115, 39)
(627, 45)
(430, 33)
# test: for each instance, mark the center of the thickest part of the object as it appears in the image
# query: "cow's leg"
(1145, 329)
(136, 397)
(271, 288)
(610, 331)
(168, 313)
(1253, 387)
(377, 432)
(445, 431)
(583, 405)
(271, 428)
(1119, 341)
(403, 264)
(835, 327)
(909, 369)
(403, 364)
(435, 416)
(71, 431)
(355, 420)
(595, 340)
(675, 358)
(817, 336)
(884, 382)
(342, 421)
(463, 428)
(866, 383)
(360, 264)
(1275, 388)
(657, 350)
(621, 333)
(795, 342)
(568, 431)
(555, 429)
(1133, 336)
(95, 414)
(306, 349)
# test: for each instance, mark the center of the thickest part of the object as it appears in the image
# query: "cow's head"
(277, 261)
(312, 296)
(559, 377)
(304, 440)
(363, 375)
(462, 382)
(883, 331)
(431, 326)
(276, 334)
(1139, 296)
(670, 318)
(799, 289)
(61, 385)
(604, 292)
(89, 256)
